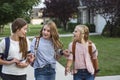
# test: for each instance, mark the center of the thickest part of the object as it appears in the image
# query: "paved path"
(60, 74)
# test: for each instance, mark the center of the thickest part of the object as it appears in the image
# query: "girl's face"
(22, 32)
(77, 33)
(46, 32)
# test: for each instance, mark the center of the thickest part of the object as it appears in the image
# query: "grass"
(109, 49)
(109, 57)
(33, 30)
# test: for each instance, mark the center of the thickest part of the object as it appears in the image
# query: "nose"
(73, 32)
(25, 31)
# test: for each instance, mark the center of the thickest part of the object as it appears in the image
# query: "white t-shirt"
(13, 53)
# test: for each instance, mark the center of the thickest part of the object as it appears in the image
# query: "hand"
(22, 64)
(67, 70)
(14, 60)
(96, 72)
(30, 58)
(66, 52)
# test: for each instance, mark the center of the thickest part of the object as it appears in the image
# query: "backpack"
(5, 55)
(94, 61)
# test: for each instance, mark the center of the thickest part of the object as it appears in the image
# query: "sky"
(40, 5)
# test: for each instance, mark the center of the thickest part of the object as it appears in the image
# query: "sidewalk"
(60, 74)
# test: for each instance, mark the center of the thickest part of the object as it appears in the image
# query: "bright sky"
(40, 5)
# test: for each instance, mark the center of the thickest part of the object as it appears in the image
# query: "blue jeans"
(83, 74)
(45, 73)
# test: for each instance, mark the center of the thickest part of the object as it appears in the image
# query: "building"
(86, 16)
(36, 16)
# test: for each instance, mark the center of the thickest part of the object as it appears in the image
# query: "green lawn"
(109, 54)
(33, 30)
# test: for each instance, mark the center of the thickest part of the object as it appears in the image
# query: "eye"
(75, 31)
(44, 29)
(48, 30)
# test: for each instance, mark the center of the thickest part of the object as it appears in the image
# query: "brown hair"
(54, 34)
(17, 25)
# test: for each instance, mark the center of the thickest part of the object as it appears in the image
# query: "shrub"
(71, 26)
(91, 27)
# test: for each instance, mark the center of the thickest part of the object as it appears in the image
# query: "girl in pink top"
(82, 64)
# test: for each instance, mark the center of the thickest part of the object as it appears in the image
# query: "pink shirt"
(82, 56)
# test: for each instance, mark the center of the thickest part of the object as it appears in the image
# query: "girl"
(15, 69)
(82, 64)
(49, 46)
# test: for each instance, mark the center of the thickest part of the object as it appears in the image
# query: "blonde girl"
(82, 65)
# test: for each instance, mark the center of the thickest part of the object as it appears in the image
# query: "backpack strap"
(90, 49)
(94, 61)
(36, 44)
(73, 50)
(7, 45)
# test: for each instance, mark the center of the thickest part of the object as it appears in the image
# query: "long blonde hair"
(54, 34)
(86, 32)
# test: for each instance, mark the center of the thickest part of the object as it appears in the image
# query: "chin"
(44, 37)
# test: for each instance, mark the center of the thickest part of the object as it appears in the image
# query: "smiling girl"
(49, 47)
(14, 69)
(82, 64)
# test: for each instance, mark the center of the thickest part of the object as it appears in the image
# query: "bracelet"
(61, 52)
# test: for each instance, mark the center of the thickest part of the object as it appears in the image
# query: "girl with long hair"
(48, 48)
(14, 67)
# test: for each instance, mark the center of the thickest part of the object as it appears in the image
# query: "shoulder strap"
(7, 45)
(90, 48)
(73, 50)
(36, 44)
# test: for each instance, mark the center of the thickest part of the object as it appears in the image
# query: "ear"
(18, 30)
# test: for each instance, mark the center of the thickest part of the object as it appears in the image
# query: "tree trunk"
(1, 29)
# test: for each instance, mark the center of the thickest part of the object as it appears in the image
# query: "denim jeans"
(83, 74)
(45, 73)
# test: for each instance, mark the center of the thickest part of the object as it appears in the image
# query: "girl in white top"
(18, 49)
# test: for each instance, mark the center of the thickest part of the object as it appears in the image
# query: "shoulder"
(2, 45)
(70, 44)
(27, 39)
(2, 42)
(34, 39)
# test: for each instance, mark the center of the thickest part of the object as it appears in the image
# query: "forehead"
(78, 28)
(25, 26)
(46, 27)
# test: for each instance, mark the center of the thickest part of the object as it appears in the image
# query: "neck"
(15, 37)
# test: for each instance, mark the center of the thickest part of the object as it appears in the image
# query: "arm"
(5, 62)
(68, 66)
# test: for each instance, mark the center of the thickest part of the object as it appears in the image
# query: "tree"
(61, 9)
(11, 9)
(109, 9)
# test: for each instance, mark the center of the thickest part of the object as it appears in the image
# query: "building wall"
(36, 21)
(88, 17)
(100, 23)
